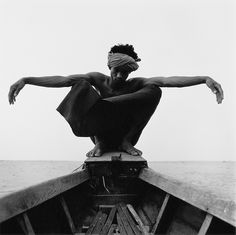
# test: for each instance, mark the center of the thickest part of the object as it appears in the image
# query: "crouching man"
(112, 110)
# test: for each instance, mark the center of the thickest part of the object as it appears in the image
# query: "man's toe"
(139, 152)
(98, 153)
(90, 153)
(133, 152)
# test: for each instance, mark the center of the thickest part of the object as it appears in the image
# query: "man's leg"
(88, 115)
(99, 148)
(107, 125)
(139, 106)
(91, 116)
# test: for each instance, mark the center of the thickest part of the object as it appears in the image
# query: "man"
(112, 110)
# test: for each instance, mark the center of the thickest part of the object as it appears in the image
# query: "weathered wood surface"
(164, 204)
(120, 225)
(109, 221)
(100, 224)
(112, 229)
(138, 220)
(205, 225)
(25, 224)
(124, 221)
(210, 186)
(111, 156)
(68, 215)
(130, 220)
(25, 184)
(93, 224)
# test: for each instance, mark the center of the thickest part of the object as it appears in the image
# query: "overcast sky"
(61, 37)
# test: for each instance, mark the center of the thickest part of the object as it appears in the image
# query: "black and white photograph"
(118, 117)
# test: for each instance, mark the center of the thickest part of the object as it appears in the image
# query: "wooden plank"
(20, 220)
(25, 224)
(112, 229)
(138, 220)
(130, 220)
(93, 224)
(108, 223)
(144, 217)
(20, 201)
(108, 157)
(120, 225)
(106, 206)
(124, 221)
(100, 224)
(205, 225)
(113, 199)
(67, 213)
(163, 207)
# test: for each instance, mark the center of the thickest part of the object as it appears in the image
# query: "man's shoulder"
(137, 81)
(97, 75)
(96, 78)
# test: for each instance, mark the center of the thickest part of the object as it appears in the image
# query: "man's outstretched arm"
(183, 81)
(50, 81)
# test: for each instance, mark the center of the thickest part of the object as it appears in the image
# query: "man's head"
(122, 60)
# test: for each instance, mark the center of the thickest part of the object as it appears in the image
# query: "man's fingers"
(11, 95)
(219, 98)
(219, 93)
(17, 91)
(14, 91)
(220, 90)
(214, 89)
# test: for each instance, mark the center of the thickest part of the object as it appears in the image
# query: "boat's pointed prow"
(115, 163)
(111, 156)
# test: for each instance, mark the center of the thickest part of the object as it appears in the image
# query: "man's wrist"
(205, 78)
(25, 80)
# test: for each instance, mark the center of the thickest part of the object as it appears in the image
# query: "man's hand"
(216, 89)
(14, 90)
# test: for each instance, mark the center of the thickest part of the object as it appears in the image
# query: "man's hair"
(125, 49)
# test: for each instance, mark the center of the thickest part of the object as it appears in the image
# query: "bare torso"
(105, 88)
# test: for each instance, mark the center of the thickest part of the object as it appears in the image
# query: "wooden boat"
(120, 194)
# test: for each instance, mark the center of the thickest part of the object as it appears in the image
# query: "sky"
(61, 37)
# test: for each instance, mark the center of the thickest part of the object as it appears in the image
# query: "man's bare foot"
(130, 149)
(97, 151)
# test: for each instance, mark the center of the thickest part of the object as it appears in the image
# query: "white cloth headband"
(119, 59)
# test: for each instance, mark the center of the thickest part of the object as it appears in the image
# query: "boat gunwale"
(224, 210)
(22, 200)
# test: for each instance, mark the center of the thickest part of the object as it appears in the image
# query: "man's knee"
(156, 90)
(155, 93)
(82, 83)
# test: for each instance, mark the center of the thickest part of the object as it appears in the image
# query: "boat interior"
(111, 199)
